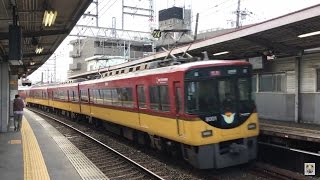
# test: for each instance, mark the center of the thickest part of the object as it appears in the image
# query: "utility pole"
(196, 28)
(238, 15)
(55, 68)
(122, 17)
(48, 75)
(42, 77)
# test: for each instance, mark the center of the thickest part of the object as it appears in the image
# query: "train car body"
(65, 97)
(204, 109)
(38, 96)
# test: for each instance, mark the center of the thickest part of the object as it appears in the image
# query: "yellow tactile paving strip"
(33, 162)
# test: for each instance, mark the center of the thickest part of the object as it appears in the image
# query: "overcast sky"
(212, 14)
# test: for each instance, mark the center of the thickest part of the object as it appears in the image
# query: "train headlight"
(206, 133)
(252, 126)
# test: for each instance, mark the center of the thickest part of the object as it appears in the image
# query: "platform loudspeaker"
(15, 45)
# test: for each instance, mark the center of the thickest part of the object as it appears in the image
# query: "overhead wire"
(135, 22)
(88, 21)
(98, 5)
(218, 10)
(105, 5)
(215, 6)
(108, 7)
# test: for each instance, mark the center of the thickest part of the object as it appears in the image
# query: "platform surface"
(34, 153)
(293, 130)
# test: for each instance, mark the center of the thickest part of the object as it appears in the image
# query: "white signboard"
(256, 62)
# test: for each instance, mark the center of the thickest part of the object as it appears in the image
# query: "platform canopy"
(286, 35)
(37, 30)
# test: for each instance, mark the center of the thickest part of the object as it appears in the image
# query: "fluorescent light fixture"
(39, 50)
(309, 34)
(220, 53)
(49, 17)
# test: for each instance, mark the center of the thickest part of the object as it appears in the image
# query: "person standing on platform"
(18, 106)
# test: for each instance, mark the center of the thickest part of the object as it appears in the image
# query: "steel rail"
(290, 149)
(100, 143)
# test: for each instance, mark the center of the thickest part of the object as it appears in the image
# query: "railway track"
(111, 162)
(271, 172)
(115, 168)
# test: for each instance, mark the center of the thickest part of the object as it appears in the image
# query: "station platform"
(291, 130)
(39, 151)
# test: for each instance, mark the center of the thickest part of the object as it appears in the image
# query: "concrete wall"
(310, 111)
(4, 96)
(280, 106)
(277, 106)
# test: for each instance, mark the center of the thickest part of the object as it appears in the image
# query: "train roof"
(39, 87)
(169, 69)
(64, 85)
(163, 70)
(46, 86)
(23, 88)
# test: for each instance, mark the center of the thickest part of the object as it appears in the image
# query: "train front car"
(224, 125)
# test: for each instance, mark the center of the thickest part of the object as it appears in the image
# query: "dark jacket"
(18, 104)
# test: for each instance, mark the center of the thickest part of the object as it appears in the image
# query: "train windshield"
(219, 95)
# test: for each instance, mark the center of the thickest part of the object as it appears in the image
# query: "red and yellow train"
(203, 110)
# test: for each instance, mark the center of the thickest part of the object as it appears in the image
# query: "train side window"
(72, 98)
(107, 98)
(141, 97)
(60, 95)
(159, 98)
(99, 96)
(126, 97)
(154, 98)
(55, 95)
(64, 95)
(91, 95)
(84, 96)
(116, 96)
(164, 98)
(76, 96)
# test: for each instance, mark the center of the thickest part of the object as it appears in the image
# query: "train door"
(51, 103)
(141, 101)
(84, 98)
(91, 99)
(79, 97)
(178, 108)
